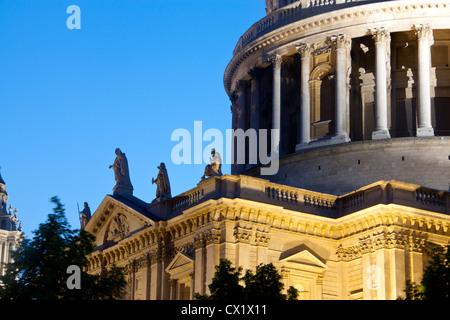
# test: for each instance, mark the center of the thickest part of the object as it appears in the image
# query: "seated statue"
(215, 168)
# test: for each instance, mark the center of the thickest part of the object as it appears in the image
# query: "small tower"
(10, 228)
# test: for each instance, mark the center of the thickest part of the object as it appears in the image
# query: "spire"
(8, 218)
(1, 179)
(3, 195)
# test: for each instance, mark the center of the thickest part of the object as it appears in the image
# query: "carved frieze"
(262, 238)
(206, 238)
(382, 240)
(242, 235)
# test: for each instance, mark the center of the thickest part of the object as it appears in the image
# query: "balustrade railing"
(293, 12)
(310, 201)
(186, 200)
(430, 197)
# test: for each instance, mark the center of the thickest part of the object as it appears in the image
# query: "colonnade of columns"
(342, 67)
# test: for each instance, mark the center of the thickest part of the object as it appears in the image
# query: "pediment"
(304, 258)
(115, 219)
(181, 264)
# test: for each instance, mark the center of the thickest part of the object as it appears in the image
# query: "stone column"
(424, 41)
(173, 289)
(234, 100)
(255, 74)
(342, 44)
(276, 104)
(381, 37)
(305, 103)
(255, 110)
(241, 89)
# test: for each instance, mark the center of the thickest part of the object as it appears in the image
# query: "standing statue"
(215, 168)
(162, 183)
(85, 215)
(121, 174)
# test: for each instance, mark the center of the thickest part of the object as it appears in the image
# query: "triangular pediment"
(304, 257)
(117, 218)
(180, 260)
(180, 264)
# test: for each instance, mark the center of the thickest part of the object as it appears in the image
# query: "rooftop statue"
(271, 5)
(85, 215)
(121, 174)
(162, 183)
(215, 168)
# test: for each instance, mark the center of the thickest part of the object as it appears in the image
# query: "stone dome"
(352, 92)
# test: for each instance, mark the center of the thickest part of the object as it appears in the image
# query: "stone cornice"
(282, 31)
(258, 209)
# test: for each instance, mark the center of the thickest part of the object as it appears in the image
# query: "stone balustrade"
(298, 10)
(307, 201)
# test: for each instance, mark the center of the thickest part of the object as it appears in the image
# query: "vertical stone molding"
(342, 47)
(382, 39)
(305, 103)
(276, 61)
(424, 35)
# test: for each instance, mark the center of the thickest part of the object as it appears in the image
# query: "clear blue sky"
(136, 71)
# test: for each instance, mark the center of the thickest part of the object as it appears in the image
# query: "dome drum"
(372, 71)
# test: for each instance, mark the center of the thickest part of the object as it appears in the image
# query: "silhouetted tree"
(435, 284)
(436, 277)
(39, 267)
(264, 284)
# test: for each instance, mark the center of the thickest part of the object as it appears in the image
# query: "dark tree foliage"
(225, 283)
(264, 284)
(435, 284)
(413, 291)
(436, 277)
(39, 267)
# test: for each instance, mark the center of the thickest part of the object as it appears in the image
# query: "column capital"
(241, 85)
(255, 72)
(276, 60)
(233, 97)
(304, 50)
(341, 41)
(423, 31)
(380, 35)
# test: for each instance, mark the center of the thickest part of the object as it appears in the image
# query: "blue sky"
(135, 72)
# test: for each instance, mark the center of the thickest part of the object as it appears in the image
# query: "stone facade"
(359, 91)
(328, 73)
(362, 245)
